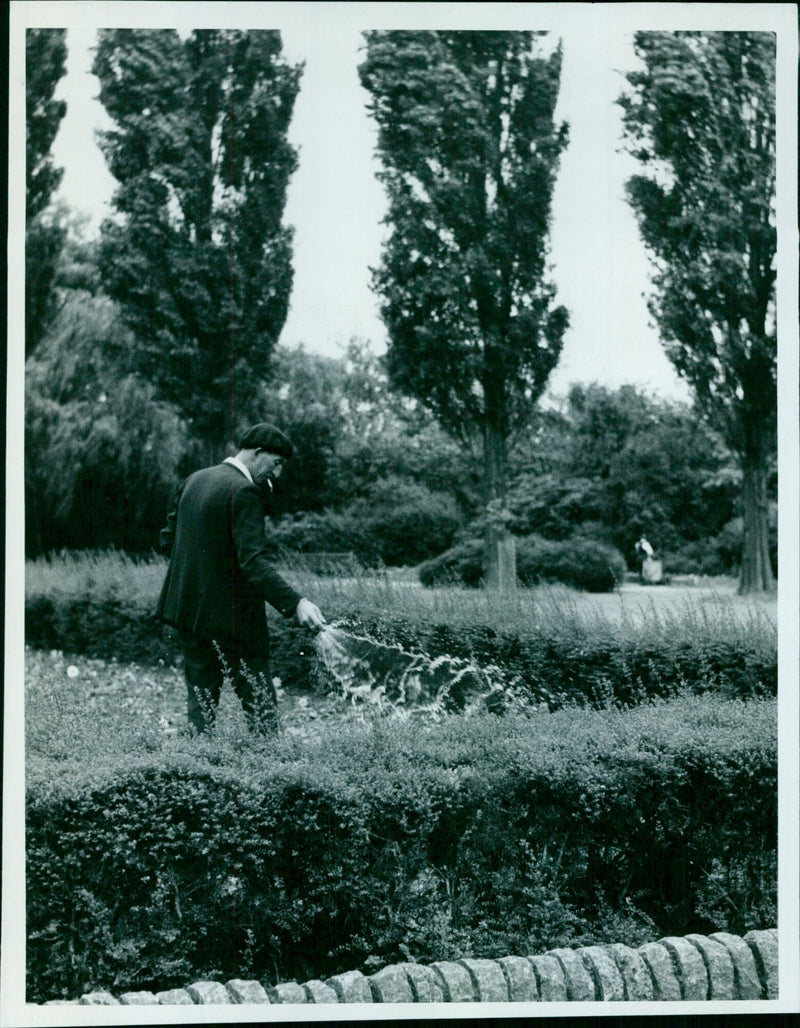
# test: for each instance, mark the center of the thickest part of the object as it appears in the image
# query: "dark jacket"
(219, 573)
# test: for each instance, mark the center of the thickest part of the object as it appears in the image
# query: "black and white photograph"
(402, 594)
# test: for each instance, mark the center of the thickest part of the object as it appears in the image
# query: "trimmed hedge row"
(587, 666)
(555, 664)
(478, 837)
(99, 625)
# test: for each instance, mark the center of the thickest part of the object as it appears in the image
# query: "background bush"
(624, 463)
(462, 565)
(409, 522)
(399, 523)
(579, 562)
(728, 543)
(156, 863)
(322, 532)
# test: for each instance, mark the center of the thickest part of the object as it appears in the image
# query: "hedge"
(99, 626)
(567, 663)
(481, 836)
(558, 659)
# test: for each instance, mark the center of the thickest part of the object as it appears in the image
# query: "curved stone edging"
(695, 967)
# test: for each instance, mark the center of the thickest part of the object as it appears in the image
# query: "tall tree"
(45, 65)
(700, 118)
(469, 150)
(196, 252)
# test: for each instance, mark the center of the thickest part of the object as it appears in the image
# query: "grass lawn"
(715, 595)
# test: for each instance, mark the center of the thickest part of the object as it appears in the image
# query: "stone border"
(697, 967)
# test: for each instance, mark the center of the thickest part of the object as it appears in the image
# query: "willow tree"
(700, 118)
(469, 152)
(196, 253)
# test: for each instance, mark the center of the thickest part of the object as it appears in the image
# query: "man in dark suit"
(219, 576)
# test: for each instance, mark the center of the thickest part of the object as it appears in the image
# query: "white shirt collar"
(238, 464)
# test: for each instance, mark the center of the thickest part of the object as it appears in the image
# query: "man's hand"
(309, 615)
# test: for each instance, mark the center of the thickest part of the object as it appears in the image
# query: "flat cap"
(266, 437)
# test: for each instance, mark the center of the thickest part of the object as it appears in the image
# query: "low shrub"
(408, 522)
(578, 562)
(462, 565)
(226, 856)
(322, 531)
(696, 558)
(99, 627)
(101, 603)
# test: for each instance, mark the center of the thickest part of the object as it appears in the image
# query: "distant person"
(646, 554)
(219, 576)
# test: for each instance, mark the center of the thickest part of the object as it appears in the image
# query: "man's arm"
(252, 556)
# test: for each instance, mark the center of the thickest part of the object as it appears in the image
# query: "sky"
(336, 204)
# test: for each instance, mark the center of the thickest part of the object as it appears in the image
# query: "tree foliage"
(613, 464)
(304, 400)
(102, 451)
(700, 118)
(353, 431)
(45, 65)
(196, 252)
(469, 154)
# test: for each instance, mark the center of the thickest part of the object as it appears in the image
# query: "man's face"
(265, 466)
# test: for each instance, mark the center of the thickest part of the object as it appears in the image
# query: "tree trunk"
(500, 564)
(213, 451)
(756, 571)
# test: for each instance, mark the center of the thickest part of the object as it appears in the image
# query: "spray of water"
(388, 676)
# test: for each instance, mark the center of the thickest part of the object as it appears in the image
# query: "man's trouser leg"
(252, 683)
(204, 674)
(206, 664)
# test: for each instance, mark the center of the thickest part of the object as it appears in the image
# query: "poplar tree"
(196, 252)
(700, 118)
(469, 151)
(45, 65)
